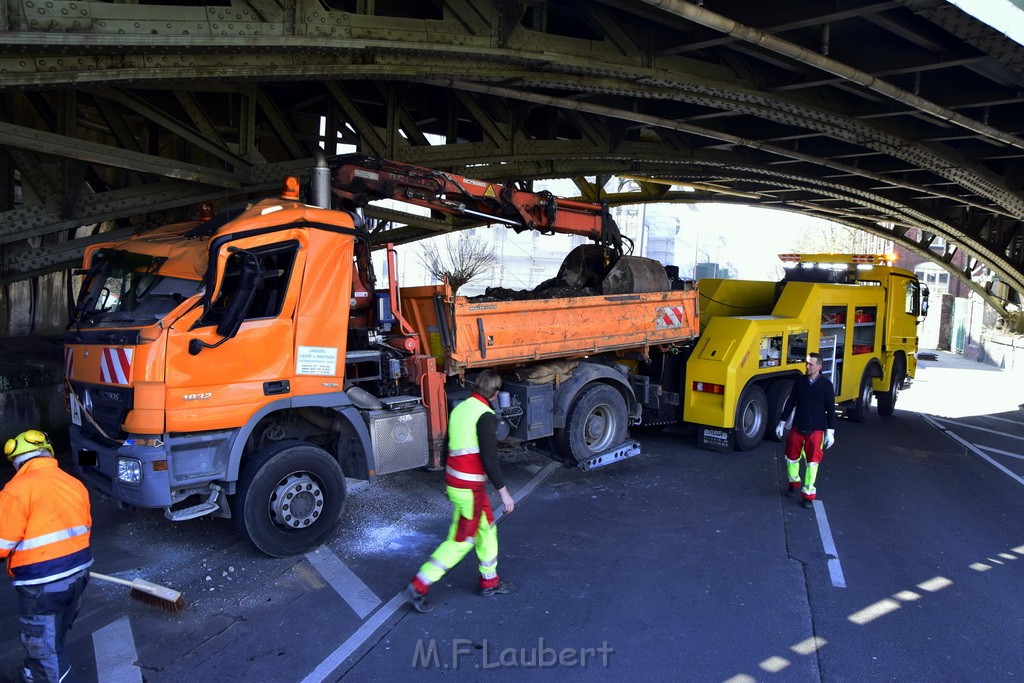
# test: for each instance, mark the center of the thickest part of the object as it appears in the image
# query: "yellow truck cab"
(858, 311)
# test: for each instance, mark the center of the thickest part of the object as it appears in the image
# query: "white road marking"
(835, 570)
(357, 639)
(971, 447)
(114, 647)
(1000, 452)
(349, 586)
(978, 429)
(1004, 419)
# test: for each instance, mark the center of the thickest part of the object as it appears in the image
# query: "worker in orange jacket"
(44, 534)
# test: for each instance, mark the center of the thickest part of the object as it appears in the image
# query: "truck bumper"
(96, 464)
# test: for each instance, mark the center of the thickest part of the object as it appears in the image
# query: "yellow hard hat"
(26, 442)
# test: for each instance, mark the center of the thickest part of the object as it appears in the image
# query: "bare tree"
(461, 258)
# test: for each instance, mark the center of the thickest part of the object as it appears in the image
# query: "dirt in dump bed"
(549, 289)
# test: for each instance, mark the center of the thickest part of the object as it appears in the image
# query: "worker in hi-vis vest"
(472, 461)
(813, 404)
(45, 520)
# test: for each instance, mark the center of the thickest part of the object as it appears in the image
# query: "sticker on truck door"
(76, 410)
(317, 360)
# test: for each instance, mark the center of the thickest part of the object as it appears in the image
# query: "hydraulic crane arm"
(357, 180)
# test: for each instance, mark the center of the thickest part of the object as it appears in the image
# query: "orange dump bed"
(493, 333)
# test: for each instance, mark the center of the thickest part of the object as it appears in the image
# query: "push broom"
(150, 593)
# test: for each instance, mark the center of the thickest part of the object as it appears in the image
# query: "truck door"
(218, 382)
(902, 308)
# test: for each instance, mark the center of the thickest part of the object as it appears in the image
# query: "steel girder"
(120, 116)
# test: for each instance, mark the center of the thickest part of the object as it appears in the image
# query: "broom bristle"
(157, 601)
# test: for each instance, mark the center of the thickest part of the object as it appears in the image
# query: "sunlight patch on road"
(774, 664)
(935, 584)
(872, 612)
(907, 596)
(809, 646)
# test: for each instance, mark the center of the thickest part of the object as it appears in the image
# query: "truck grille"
(108, 406)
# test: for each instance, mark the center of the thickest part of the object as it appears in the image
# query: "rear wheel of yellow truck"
(289, 498)
(751, 418)
(595, 424)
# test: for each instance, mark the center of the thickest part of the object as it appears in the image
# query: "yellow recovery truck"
(858, 311)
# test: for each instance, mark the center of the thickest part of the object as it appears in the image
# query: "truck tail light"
(709, 388)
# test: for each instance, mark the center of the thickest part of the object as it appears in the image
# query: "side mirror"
(238, 305)
(924, 302)
(250, 278)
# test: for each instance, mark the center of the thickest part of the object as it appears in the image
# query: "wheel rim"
(599, 428)
(297, 501)
(752, 418)
(865, 395)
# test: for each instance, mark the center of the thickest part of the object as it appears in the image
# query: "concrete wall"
(31, 388)
(1003, 351)
(34, 307)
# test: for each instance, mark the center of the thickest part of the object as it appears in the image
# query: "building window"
(935, 277)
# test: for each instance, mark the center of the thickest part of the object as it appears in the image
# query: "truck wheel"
(289, 498)
(862, 405)
(751, 418)
(595, 424)
(887, 399)
(778, 393)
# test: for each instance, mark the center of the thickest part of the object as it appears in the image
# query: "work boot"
(791, 491)
(418, 601)
(503, 588)
(808, 503)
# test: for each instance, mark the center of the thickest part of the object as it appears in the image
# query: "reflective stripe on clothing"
(471, 527)
(464, 476)
(45, 513)
(52, 537)
(462, 451)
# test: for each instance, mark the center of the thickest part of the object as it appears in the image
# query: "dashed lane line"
(114, 648)
(350, 587)
(382, 615)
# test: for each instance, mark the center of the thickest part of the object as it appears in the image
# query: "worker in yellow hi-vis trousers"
(472, 461)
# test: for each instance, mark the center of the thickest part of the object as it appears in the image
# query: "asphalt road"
(679, 564)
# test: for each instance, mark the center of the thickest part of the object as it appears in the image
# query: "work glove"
(830, 437)
(780, 429)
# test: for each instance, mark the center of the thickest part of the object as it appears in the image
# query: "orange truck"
(246, 365)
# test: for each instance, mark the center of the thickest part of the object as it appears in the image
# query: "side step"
(626, 450)
(204, 508)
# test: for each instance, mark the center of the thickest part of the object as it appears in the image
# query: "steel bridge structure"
(899, 117)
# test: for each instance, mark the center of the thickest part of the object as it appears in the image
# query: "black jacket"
(815, 405)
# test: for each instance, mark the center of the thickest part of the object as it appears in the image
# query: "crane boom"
(357, 180)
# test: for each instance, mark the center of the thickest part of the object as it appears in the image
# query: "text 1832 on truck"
(245, 365)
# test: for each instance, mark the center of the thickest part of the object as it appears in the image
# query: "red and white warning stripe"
(116, 365)
(670, 317)
(69, 362)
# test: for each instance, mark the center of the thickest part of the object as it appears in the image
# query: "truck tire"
(778, 393)
(596, 423)
(289, 498)
(751, 418)
(861, 408)
(887, 399)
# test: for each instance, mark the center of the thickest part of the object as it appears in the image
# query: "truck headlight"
(129, 470)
